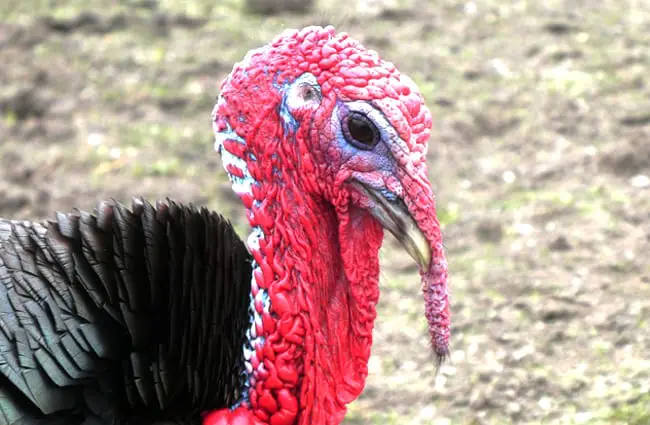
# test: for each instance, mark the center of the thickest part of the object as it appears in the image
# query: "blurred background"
(540, 157)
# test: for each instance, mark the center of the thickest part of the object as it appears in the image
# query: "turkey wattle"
(161, 315)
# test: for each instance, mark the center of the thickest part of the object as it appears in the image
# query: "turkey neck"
(318, 264)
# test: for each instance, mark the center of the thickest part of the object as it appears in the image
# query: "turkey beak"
(394, 216)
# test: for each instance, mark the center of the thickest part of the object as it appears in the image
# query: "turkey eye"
(360, 131)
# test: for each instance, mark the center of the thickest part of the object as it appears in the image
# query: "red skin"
(241, 416)
(319, 256)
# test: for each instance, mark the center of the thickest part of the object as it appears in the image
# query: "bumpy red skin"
(319, 256)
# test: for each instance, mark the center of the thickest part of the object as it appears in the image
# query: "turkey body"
(122, 316)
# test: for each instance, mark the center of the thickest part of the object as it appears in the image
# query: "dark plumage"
(107, 316)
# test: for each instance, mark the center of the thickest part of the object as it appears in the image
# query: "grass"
(636, 412)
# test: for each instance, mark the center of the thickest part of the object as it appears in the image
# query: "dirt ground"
(540, 158)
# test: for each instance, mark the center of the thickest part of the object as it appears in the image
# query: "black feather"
(121, 316)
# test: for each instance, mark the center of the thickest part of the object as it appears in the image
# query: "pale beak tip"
(420, 249)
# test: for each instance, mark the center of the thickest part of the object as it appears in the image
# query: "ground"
(540, 159)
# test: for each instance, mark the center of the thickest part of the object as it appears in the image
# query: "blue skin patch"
(388, 194)
(289, 123)
(380, 157)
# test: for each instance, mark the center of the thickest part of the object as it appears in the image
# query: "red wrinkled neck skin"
(318, 263)
(325, 304)
(323, 297)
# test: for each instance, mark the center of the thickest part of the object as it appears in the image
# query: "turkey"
(160, 314)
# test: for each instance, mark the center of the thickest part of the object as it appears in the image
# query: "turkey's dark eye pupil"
(362, 130)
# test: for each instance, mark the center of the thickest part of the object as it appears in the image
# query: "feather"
(121, 314)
